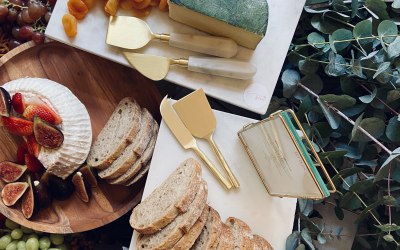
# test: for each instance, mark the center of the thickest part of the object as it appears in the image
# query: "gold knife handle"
(212, 168)
(223, 162)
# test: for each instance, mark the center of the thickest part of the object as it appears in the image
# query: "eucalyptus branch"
(346, 40)
(324, 5)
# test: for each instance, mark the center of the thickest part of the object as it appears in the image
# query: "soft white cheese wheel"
(75, 125)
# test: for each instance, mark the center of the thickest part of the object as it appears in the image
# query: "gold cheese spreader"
(133, 33)
(198, 117)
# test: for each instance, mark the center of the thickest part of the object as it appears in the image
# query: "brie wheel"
(75, 124)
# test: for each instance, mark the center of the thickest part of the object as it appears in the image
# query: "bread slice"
(168, 200)
(211, 232)
(260, 243)
(167, 237)
(139, 164)
(119, 131)
(241, 232)
(227, 240)
(142, 172)
(133, 151)
(190, 237)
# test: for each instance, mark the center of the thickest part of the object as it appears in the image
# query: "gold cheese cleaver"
(133, 33)
(197, 115)
(187, 141)
(156, 67)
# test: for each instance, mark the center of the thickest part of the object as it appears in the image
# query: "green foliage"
(342, 78)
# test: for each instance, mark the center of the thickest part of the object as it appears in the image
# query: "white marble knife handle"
(210, 45)
(222, 67)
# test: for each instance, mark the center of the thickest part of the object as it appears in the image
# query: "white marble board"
(270, 217)
(253, 95)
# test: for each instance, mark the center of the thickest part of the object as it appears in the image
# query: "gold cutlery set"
(133, 33)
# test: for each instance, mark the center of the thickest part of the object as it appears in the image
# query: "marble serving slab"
(253, 95)
(270, 217)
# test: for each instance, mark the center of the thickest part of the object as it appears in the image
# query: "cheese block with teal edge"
(245, 21)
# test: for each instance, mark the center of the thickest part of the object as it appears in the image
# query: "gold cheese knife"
(186, 139)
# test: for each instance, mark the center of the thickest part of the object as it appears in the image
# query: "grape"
(26, 230)
(38, 37)
(16, 234)
(15, 32)
(47, 16)
(44, 242)
(20, 21)
(12, 245)
(3, 13)
(36, 10)
(57, 239)
(11, 224)
(62, 247)
(12, 15)
(4, 241)
(32, 244)
(26, 32)
(21, 245)
(25, 17)
(32, 236)
(16, 2)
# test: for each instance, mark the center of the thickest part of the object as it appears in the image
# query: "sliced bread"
(241, 232)
(211, 232)
(168, 200)
(227, 241)
(139, 164)
(167, 237)
(133, 151)
(190, 237)
(260, 243)
(119, 131)
(142, 172)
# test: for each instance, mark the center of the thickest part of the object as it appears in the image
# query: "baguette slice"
(241, 232)
(119, 131)
(190, 237)
(167, 237)
(139, 164)
(260, 243)
(171, 198)
(227, 240)
(210, 235)
(133, 151)
(142, 172)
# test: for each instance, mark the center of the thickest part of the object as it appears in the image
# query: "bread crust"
(245, 240)
(128, 138)
(215, 231)
(261, 243)
(173, 210)
(227, 240)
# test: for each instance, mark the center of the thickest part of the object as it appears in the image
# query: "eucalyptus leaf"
(361, 30)
(355, 127)
(349, 181)
(321, 239)
(393, 95)
(367, 210)
(290, 79)
(382, 68)
(386, 168)
(306, 206)
(308, 67)
(292, 241)
(354, 8)
(393, 130)
(311, 81)
(301, 247)
(339, 101)
(393, 49)
(316, 40)
(333, 118)
(347, 85)
(350, 201)
(396, 6)
(306, 235)
(374, 126)
(388, 238)
(355, 110)
(387, 30)
(370, 97)
(389, 200)
(344, 173)
(378, 7)
(371, 163)
(324, 25)
(388, 227)
(352, 152)
(340, 39)
(337, 65)
(363, 186)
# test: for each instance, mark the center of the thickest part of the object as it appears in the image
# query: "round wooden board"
(100, 84)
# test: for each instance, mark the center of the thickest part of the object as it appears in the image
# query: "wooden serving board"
(99, 84)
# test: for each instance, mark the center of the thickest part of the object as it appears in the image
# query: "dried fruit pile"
(36, 122)
(23, 20)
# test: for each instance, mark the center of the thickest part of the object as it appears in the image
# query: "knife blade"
(186, 139)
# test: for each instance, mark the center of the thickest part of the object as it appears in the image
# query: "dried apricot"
(126, 4)
(77, 8)
(142, 12)
(88, 3)
(142, 5)
(70, 25)
(111, 7)
(163, 5)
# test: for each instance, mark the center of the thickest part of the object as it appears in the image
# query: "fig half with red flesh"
(46, 134)
(88, 175)
(5, 102)
(12, 192)
(28, 201)
(10, 171)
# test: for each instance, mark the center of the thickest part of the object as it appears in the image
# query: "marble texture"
(270, 217)
(268, 57)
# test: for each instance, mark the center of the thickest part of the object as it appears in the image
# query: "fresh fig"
(46, 134)
(28, 201)
(60, 189)
(88, 176)
(42, 195)
(5, 102)
(10, 171)
(82, 188)
(12, 192)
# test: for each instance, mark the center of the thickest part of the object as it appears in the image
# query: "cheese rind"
(243, 21)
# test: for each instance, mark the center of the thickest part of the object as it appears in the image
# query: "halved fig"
(12, 192)
(10, 171)
(88, 175)
(46, 134)
(5, 102)
(42, 195)
(28, 201)
(82, 189)
(60, 189)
